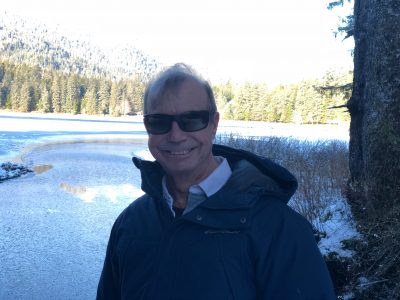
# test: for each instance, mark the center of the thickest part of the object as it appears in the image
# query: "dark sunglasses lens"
(194, 121)
(157, 124)
(189, 122)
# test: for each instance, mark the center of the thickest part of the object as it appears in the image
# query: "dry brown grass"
(321, 169)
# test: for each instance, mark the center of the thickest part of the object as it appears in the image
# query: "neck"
(179, 184)
(179, 191)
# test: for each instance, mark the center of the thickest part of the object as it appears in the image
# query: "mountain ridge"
(31, 42)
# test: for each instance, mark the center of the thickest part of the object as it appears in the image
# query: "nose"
(176, 134)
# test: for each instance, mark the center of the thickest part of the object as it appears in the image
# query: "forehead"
(187, 95)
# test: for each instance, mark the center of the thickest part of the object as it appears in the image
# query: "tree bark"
(375, 108)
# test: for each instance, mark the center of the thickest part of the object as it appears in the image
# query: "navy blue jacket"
(243, 242)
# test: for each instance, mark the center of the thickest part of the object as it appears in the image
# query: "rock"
(9, 170)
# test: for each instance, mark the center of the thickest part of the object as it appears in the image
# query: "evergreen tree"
(374, 150)
(25, 97)
(5, 84)
(35, 74)
(72, 95)
(4, 91)
(259, 100)
(287, 109)
(223, 94)
(126, 97)
(308, 103)
(104, 97)
(243, 103)
(277, 100)
(56, 94)
(13, 102)
(90, 102)
(115, 99)
(2, 71)
(63, 93)
(44, 104)
(138, 94)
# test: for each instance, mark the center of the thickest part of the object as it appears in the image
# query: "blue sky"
(260, 40)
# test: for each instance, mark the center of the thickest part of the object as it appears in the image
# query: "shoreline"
(139, 118)
(35, 114)
(96, 123)
(21, 133)
(17, 166)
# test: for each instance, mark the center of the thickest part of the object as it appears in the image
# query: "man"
(213, 223)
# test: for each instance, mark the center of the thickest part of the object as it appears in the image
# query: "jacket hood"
(248, 171)
(251, 170)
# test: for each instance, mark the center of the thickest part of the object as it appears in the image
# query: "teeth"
(183, 152)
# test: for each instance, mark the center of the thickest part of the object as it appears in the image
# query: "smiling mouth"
(179, 153)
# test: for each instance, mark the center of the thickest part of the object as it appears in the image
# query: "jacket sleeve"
(109, 283)
(289, 264)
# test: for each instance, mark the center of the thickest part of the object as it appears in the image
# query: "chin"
(176, 169)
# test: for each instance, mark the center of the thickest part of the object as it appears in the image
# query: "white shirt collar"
(209, 186)
(214, 182)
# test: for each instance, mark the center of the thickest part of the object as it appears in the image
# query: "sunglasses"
(189, 121)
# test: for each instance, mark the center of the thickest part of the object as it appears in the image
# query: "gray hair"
(172, 78)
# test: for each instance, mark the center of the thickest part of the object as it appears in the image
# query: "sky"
(248, 40)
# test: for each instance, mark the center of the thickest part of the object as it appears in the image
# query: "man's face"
(183, 153)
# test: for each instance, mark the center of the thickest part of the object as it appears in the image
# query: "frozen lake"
(55, 223)
(18, 130)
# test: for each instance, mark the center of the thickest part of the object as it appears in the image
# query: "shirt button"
(199, 218)
(243, 220)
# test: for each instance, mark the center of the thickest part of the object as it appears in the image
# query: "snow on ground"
(338, 226)
(309, 132)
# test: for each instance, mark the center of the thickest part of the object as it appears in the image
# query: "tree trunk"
(375, 109)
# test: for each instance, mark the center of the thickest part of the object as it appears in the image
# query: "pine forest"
(46, 72)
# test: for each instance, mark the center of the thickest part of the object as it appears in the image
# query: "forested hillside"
(309, 101)
(42, 70)
(33, 43)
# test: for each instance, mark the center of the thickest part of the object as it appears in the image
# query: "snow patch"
(338, 226)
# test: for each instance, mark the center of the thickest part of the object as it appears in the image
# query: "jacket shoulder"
(137, 217)
(284, 245)
(272, 211)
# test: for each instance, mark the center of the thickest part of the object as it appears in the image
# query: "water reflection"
(112, 193)
(39, 169)
(84, 193)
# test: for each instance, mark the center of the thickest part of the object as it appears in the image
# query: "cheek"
(152, 143)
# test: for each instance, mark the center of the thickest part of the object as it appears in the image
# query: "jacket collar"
(250, 173)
